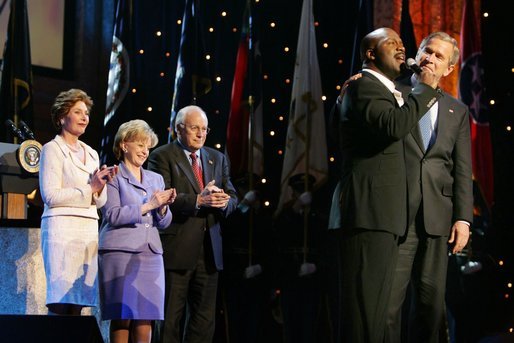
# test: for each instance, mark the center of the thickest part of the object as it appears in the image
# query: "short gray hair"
(184, 111)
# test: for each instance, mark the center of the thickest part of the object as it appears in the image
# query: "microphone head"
(412, 65)
(10, 124)
(26, 129)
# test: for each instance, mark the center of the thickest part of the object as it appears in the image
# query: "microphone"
(26, 130)
(10, 124)
(412, 65)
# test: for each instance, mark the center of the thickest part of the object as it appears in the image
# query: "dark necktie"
(197, 170)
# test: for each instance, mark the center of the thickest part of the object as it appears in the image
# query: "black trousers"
(422, 263)
(368, 259)
(195, 292)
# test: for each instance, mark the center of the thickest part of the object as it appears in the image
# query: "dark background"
(486, 294)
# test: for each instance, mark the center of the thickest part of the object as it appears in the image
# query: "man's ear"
(449, 70)
(370, 54)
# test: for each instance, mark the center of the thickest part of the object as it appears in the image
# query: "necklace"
(74, 148)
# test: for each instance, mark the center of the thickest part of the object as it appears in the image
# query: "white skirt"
(69, 246)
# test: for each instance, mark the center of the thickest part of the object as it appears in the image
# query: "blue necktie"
(425, 126)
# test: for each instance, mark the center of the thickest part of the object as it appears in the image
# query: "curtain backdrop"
(427, 16)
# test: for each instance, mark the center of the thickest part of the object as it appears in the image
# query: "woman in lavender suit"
(131, 270)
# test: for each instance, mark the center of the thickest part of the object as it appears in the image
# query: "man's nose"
(430, 58)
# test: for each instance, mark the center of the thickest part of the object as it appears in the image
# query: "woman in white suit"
(72, 187)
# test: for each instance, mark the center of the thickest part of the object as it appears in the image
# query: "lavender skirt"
(131, 285)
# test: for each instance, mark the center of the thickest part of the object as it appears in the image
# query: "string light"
(149, 109)
(263, 180)
(218, 146)
(158, 33)
(272, 25)
(492, 102)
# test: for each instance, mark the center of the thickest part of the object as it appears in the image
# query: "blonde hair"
(132, 131)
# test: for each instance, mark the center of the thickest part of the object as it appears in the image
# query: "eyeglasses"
(196, 128)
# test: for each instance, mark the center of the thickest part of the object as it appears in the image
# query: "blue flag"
(192, 78)
(119, 79)
(16, 89)
(364, 25)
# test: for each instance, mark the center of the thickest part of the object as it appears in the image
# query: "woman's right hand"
(100, 177)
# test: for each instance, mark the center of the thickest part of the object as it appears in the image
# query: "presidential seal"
(29, 155)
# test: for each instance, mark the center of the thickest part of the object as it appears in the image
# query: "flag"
(471, 92)
(306, 147)
(118, 80)
(407, 31)
(192, 79)
(16, 101)
(364, 25)
(244, 128)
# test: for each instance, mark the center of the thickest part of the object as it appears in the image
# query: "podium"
(18, 177)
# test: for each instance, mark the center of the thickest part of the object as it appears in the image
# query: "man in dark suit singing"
(373, 118)
(192, 243)
(440, 198)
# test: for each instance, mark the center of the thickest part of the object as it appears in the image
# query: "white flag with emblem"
(306, 148)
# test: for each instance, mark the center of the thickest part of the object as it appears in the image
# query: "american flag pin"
(451, 111)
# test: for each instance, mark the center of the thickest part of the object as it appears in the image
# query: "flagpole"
(251, 133)
(307, 146)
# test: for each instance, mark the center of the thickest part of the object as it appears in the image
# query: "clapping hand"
(212, 196)
(101, 176)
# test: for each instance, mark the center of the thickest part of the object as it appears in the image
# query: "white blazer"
(64, 181)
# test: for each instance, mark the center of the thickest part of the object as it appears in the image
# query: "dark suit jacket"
(373, 192)
(183, 239)
(440, 179)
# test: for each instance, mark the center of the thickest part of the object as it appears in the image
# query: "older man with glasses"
(192, 243)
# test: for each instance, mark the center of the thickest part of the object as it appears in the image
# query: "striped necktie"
(197, 170)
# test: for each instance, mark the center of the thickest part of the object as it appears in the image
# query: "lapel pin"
(210, 162)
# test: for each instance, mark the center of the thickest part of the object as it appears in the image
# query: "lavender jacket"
(123, 226)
